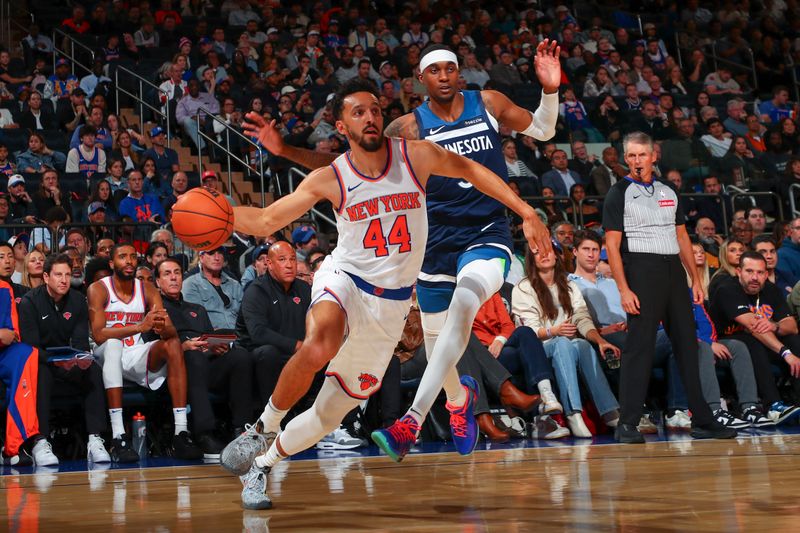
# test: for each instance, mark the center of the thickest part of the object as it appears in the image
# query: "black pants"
(88, 383)
(230, 374)
(487, 371)
(659, 281)
(763, 358)
(524, 354)
(269, 362)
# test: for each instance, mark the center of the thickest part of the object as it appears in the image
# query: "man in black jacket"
(38, 115)
(52, 315)
(209, 366)
(272, 319)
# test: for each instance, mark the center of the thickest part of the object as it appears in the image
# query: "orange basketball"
(202, 218)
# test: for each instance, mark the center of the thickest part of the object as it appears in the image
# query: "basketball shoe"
(397, 439)
(254, 489)
(463, 424)
(239, 454)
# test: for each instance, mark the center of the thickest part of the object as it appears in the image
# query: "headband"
(437, 56)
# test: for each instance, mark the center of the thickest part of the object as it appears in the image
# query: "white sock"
(544, 387)
(117, 425)
(271, 418)
(180, 419)
(271, 458)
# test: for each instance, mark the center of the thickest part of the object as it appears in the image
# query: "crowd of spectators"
(720, 129)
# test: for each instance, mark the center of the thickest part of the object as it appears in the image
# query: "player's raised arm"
(321, 184)
(270, 138)
(541, 124)
(428, 158)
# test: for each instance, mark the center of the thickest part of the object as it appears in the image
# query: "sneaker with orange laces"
(463, 424)
(397, 439)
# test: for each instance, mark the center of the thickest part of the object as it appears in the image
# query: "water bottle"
(139, 430)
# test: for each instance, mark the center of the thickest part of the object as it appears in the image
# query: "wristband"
(502, 339)
(786, 353)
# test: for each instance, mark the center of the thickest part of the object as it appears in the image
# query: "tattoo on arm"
(310, 159)
(405, 127)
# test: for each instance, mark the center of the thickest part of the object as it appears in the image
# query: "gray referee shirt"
(645, 214)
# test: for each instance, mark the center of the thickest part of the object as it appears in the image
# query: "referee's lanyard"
(645, 186)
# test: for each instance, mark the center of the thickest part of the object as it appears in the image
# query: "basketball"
(202, 218)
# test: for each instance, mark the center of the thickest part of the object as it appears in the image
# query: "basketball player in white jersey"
(121, 309)
(362, 293)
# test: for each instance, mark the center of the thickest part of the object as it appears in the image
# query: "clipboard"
(216, 339)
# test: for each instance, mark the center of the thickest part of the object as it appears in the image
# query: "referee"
(646, 241)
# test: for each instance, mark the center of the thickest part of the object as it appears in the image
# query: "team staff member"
(54, 315)
(647, 242)
(215, 367)
(272, 321)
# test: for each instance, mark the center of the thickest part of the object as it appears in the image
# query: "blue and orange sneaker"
(462, 420)
(397, 439)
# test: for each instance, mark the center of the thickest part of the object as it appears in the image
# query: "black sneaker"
(183, 447)
(628, 434)
(713, 430)
(211, 445)
(121, 451)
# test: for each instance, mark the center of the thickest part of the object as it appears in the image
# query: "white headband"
(437, 56)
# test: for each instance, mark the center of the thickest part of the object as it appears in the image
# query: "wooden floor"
(748, 484)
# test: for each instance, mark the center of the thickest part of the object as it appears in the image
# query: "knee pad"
(112, 364)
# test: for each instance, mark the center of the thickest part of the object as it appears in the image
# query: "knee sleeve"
(112, 363)
(432, 324)
(484, 277)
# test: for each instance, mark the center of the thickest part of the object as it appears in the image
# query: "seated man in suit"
(560, 178)
(608, 173)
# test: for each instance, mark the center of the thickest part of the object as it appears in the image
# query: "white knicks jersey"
(382, 221)
(120, 313)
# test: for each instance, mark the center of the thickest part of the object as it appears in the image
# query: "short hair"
(6, 244)
(153, 246)
(779, 88)
(56, 259)
(750, 210)
(750, 254)
(117, 246)
(760, 239)
(637, 137)
(586, 235)
(364, 60)
(95, 265)
(558, 224)
(88, 129)
(170, 259)
(352, 86)
(713, 120)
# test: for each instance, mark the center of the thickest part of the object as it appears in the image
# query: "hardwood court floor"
(748, 484)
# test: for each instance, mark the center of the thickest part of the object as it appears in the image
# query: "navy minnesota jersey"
(474, 135)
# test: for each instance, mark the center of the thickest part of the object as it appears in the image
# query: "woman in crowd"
(607, 117)
(101, 192)
(701, 265)
(729, 253)
(32, 269)
(676, 83)
(551, 208)
(117, 181)
(156, 252)
(600, 83)
(589, 213)
(125, 149)
(50, 195)
(739, 165)
(154, 183)
(473, 71)
(39, 157)
(551, 305)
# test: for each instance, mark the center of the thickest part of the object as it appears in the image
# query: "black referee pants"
(659, 281)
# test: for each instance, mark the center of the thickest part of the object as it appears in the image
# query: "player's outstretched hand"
(547, 63)
(267, 134)
(537, 235)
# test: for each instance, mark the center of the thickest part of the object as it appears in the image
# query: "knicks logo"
(67, 315)
(763, 311)
(367, 381)
(296, 300)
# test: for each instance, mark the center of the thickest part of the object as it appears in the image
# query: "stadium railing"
(315, 213)
(64, 45)
(792, 202)
(140, 100)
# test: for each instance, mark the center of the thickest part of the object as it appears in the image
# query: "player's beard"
(120, 274)
(369, 146)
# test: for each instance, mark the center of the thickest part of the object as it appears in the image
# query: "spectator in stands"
(60, 85)
(765, 245)
(751, 309)
(560, 179)
(589, 213)
(126, 149)
(38, 156)
(53, 316)
(89, 157)
(772, 111)
(7, 166)
(103, 138)
(717, 140)
(117, 181)
(20, 203)
(96, 78)
(473, 71)
(166, 159)
(603, 176)
(650, 122)
(156, 252)
(701, 264)
(180, 184)
(582, 162)
(305, 239)
(707, 236)
(505, 72)
(209, 366)
(554, 308)
(189, 108)
(721, 82)
(735, 121)
(608, 118)
(20, 244)
(147, 36)
(757, 219)
(789, 253)
(742, 230)
(730, 253)
(50, 194)
(215, 290)
(72, 112)
(139, 206)
(258, 265)
(518, 171)
(36, 116)
(211, 180)
(173, 89)
(572, 111)
(154, 182)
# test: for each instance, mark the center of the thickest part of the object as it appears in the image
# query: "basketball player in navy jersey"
(362, 293)
(469, 243)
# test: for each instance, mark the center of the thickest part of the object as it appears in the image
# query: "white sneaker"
(646, 426)
(679, 421)
(550, 404)
(544, 427)
(340, 439)
(96, 451)
(43, 454)
(578, 426)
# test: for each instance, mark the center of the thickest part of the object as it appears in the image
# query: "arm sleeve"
(614, 210)
(258, 325)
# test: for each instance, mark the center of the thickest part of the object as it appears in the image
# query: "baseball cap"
(155, 132)
(62, 61)
(288, 89)
(361, 21)
(208, 174)
(272, 30)
(15, 179)
(183, 41)
(332, 22)
(259, 251)
(559, 9)
(24, 237)
(522, 61)
(303, 234)
(313, 32)
(292, 123)
(384, 63)
(270, 73)
(22, 88)
(94, 207)
(204, 40)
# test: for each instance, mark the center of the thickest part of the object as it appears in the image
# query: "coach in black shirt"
(272, 320)
(54, 315)
(646, 241)
(218, 367)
